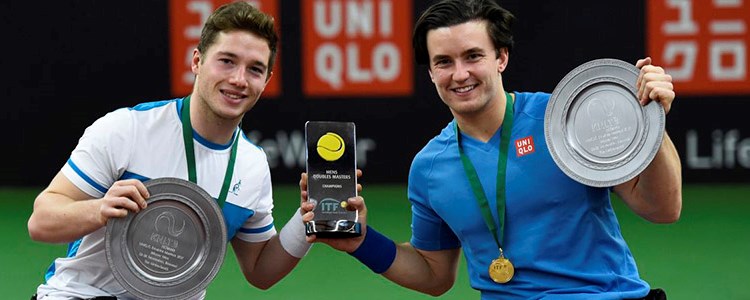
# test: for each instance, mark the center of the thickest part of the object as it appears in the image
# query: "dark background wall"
(66, 63)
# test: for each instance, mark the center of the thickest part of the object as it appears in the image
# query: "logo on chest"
(525, 146)
(236, 188)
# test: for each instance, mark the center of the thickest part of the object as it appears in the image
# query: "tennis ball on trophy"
(331, 146)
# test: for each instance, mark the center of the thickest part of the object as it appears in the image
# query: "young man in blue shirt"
(527, 230)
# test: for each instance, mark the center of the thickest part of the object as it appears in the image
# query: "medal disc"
(501, 270)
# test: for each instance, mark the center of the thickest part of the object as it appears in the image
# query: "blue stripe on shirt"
(131, 175)
(257, 230)
(235, 216)
(86, 178)
(72, 251)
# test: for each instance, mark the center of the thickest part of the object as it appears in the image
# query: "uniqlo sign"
(703, 44)
(186, 19)
(357, 47)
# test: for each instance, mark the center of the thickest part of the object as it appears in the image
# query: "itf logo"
(329, 205)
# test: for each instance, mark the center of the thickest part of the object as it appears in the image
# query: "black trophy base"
(333, 228)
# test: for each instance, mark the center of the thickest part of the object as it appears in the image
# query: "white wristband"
(292, 236)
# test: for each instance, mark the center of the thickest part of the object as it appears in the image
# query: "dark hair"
(447, 13)
(239, 16)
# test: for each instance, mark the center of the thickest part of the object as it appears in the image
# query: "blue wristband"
(377, 252)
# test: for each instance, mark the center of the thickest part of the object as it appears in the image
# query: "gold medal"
(501, 270)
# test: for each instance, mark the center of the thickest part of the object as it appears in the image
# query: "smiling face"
(465, 67)
(230, 75)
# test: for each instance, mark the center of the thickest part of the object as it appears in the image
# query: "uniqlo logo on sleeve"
(525, 146)
(703, 44)
(186, 19)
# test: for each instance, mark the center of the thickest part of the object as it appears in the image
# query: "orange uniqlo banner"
(186, 18)
(703, 44)
(357, 48)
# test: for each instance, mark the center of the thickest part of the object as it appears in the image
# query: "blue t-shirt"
(562, 236)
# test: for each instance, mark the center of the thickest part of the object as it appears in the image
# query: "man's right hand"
(355, 203)
(64, 213)
(123, 196)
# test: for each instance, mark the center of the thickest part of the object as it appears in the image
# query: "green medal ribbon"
(187, 135)
(476, 186)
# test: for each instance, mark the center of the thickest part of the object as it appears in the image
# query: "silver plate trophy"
(174, 247)
(596, 130)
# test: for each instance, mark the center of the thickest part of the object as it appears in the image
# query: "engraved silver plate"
(174, 247)
(596, 130)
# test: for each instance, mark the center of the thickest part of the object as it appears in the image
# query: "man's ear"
(196, 61)
(502, 57)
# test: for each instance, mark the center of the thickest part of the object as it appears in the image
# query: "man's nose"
(238, 78)
(461, 72)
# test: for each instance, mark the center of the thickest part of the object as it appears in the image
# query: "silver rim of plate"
(595, 128)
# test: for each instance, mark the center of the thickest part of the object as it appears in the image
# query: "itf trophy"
(331, 178)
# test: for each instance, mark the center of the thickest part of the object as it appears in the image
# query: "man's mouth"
(465, 89)
(233, 95)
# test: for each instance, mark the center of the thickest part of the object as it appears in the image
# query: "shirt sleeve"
(260, 227)
(429, 231)
(102, 153)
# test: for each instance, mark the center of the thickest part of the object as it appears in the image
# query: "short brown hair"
(240, 16)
